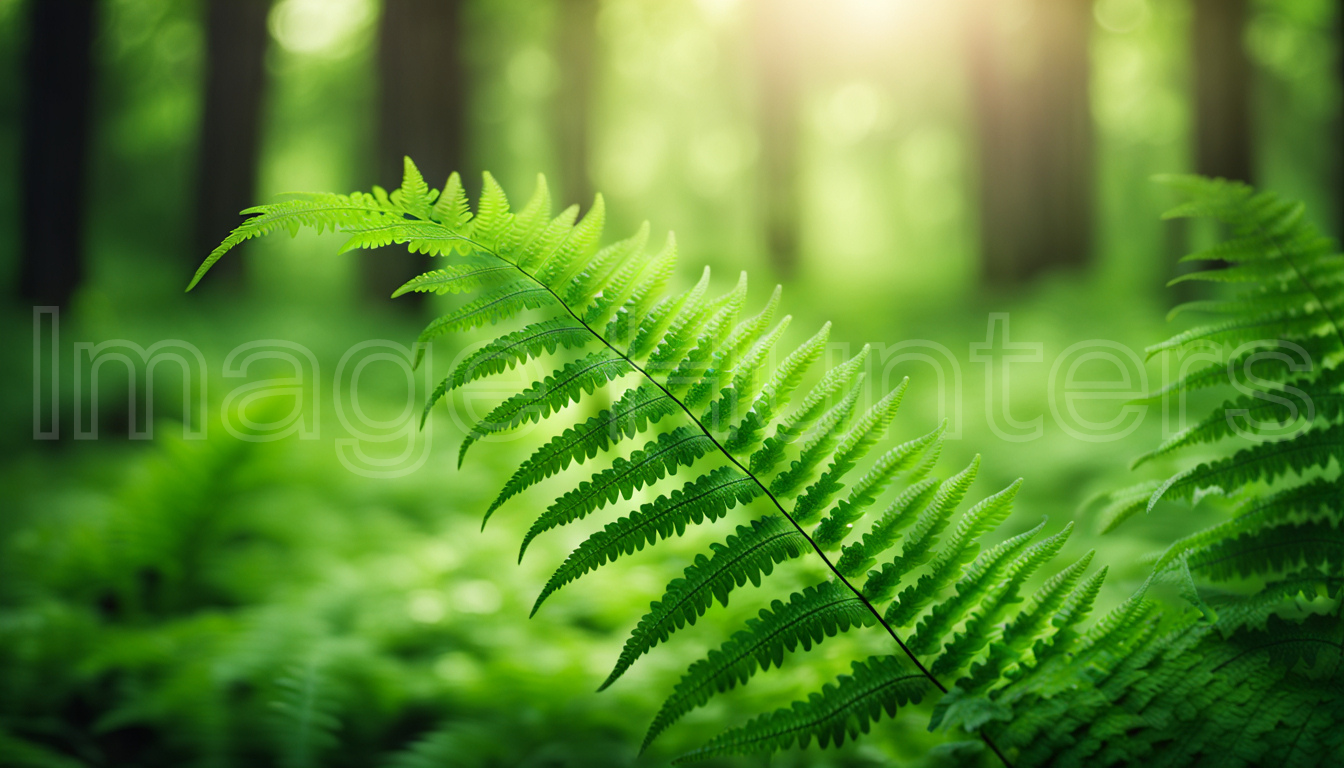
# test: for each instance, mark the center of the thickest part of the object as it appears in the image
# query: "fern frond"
(459, 278)
(746, 383)
(694, 355)
(494, 307)
(614, 268)
(793, 426)
(707, 498)
(731, 354)
(854, 446)
(927, 528)
(845, 708)
(511, 349)
(1271, 550)
(630, 415)
(808, 618)
(553, 393)
(561, 265)
(1026, 629)
(1261, 461)
(318, 211)
(306, 712)
(1298, 503)
(639, 296)
(960, 549)
(857, 558)
(775, 395)
(983, 576)
(1124, 503)
(978, 632)
(679, 448)
(830, 429)
(1320, 398)
(904, 458)
(748, 555)
(451, 208)
(1256, 365)
(673, 312)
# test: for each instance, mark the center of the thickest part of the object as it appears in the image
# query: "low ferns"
(710, 393)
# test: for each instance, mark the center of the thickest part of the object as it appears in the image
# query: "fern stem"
(724, 451)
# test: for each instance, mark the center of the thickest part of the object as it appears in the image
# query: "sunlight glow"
(323, 27)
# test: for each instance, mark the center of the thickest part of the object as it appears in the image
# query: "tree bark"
(55, 137)
(231, 125)
(424, 114)
(1223, 134)
(778, 107)
(577, 46)
(1035, 137)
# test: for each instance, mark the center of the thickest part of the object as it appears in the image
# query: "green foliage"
(707, 392)
(306, 724)
(1247, 678)
(1256, 677)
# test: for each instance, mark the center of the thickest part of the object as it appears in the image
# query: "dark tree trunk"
(423, 77)
(778, 97)
(577, 47)
(1034, 129)
(230, 134)
(59, 85)
(1222, 91)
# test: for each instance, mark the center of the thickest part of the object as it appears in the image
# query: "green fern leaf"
(1270, 550)
(957, 654)
(792, 427)
(1320, 396)
(808, 618)
(556, 391)
(748, 555)
(830, 429)
(462, 278)
(678, 448)
(630, 415)
(559, 267)
(493, 307)
(1262, 461)
(707, 498)
(857, 558)
(845, 708)
(613, 268)
(509, 350)
(775, 395)
(452, 209)
(928, 526)
(855, 445)
(903, 458)
(306, 711)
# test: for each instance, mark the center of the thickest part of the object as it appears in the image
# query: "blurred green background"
(903, 168)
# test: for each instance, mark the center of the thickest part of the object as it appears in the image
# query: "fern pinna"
(710, 394)
(1254, 677)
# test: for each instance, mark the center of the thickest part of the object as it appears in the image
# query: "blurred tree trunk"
(56, 118)
(577, 46)
(1222, 91)
(778, 107)
(230, 134)
(423, 113)
(1030, 69)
